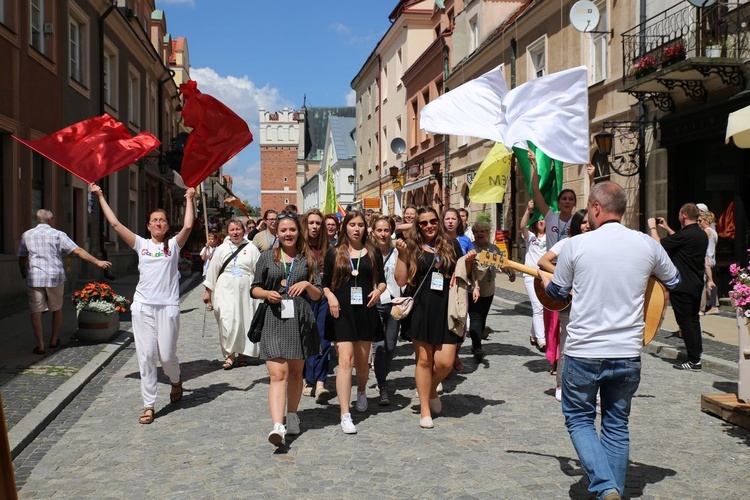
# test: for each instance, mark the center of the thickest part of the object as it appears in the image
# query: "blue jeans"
(383, 350)
(604, 458)
(316, 366)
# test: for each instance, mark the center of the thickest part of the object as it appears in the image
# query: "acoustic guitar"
(654, 305)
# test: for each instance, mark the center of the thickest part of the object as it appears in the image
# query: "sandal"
(307, 390)
(147, 415)
(229, 363)
(38, 351)
(176, 394)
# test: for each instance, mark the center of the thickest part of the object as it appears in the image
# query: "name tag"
(287, 309)
(385, 297)
(356, 295)
(436, 282)
(236, 272)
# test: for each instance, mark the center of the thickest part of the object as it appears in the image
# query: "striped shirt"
(43, 245)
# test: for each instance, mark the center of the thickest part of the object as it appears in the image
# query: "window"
(134, 97)
(537, 58)
(399, 66)
(109, 75)
(37, 183)
(75, 51)
(598, 48)
(7, 13)
(473, 34)
(37, 24)
(385, 83)
(78, 37)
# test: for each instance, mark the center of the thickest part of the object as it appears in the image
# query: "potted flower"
(644, 66)
(740, 296)
(672, 53)
(98, 308)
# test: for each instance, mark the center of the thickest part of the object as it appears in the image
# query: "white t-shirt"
(389, 264)
(711, 250)
(556, 229)
(159, 282)
(608, 270)
(535, 248)
(208, 253)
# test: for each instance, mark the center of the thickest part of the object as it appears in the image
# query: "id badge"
(436, 282)
(385, 297)
(287, 309)
(356, 295)
(236, 272)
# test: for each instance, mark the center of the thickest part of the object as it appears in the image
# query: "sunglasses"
(286, 215)
(431, 222)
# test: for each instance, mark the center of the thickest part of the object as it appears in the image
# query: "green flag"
(330, 204)
(550, 177)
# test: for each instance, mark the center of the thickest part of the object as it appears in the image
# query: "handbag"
(256, 325)
(402, 306)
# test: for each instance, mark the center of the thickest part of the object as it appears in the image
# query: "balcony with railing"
(683, 47)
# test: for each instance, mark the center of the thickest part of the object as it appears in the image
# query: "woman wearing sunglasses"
(428, 258)
(283, 277)
(353, 282)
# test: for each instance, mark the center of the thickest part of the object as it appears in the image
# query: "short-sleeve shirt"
(535, 248)
(608, 270)
(556, 229)
(687, 249)
(264, 240)
(43, 245)
(159, 281)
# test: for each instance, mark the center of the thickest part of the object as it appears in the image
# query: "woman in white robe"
(229, 293)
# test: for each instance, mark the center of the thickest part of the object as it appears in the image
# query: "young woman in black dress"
(427, 254)
(353, 281)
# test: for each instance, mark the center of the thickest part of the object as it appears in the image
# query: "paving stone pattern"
(501, 434)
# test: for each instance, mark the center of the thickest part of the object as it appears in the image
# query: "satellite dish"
(584, 16)
(398, 145)
(702, 3)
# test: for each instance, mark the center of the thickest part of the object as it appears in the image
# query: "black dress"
(355, 322)
(428, 321)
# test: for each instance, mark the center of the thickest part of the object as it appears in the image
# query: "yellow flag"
(489, 182)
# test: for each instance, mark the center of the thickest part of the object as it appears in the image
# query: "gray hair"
(610, 196)
(43, 216)
(482, 225)
(236, 220)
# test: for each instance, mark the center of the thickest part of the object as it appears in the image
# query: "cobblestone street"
(501, 433)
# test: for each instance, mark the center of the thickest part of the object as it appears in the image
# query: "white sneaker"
(558, 393)
(361, 404)
(426, 423)
(439, 389)
(292, 424)
(276, 436)
(347, 425)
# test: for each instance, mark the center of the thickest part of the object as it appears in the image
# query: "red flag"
(94, 148)
(218, 134)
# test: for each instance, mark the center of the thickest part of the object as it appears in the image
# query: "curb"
(25, 431)
(659, 349)
(30, 426)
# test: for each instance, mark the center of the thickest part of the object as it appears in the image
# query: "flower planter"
(743, 382)
(672, 60)
(644, 73)
(97, 327)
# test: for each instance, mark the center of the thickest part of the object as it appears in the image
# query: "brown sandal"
(147, 416)
(176, 394)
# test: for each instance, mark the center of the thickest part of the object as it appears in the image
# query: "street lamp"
(604, 142)
(393, 171)
(351, 178)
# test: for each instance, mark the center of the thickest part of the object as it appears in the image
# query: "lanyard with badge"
(287, 305)
(356, 291)
(436, 279)
(236, 270)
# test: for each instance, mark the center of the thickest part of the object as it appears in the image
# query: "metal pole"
(641, 165)
(7, 477)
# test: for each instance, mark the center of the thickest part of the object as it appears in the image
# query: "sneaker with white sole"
(384, 401)
(292, 424)
(691, 367)
(276, 436)
(439, 389)
(426, 423)
(361, 404)
(347, 425)
(558, 393)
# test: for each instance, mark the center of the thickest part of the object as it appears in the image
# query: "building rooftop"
(342, 139)
(316, 124)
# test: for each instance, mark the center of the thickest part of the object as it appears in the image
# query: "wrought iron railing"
(681, 32)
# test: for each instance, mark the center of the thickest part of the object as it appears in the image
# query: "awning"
(738, 128)
(411, 186)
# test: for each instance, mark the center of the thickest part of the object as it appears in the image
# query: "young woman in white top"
(536, 246)
(710, 297)
(383, 228)
(156, 303)
(579, 225)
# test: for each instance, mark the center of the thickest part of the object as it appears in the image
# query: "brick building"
(279, 140)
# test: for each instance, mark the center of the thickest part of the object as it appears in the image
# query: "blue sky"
(253, 54)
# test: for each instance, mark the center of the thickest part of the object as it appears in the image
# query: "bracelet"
(652, 228)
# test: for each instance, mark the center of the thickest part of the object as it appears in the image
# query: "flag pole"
(205, 212)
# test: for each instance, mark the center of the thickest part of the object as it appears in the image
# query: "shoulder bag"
(226, 262)
(402, 306)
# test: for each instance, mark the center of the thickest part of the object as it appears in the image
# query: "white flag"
(472, 109)
(553, 113)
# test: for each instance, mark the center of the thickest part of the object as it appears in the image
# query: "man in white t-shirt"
(607, 270)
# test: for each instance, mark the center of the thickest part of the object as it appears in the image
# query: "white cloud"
(351, 98)
(246, 177)
(340, 28)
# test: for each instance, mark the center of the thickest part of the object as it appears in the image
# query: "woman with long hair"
(316, 366)
(227, 285)
(536, 246)
(428, 258)
(382, 230)
(156, 303)
(284, 277)
(453, 228)
(579, 224)
(710, 296)
(332, 229)
(353, 282)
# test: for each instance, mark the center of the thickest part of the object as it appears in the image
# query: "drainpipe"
(513, 178)
(380, 145)
(642, 137)
(446, 138)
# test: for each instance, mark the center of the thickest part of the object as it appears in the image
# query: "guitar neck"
(525, 269)
(498, 260)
